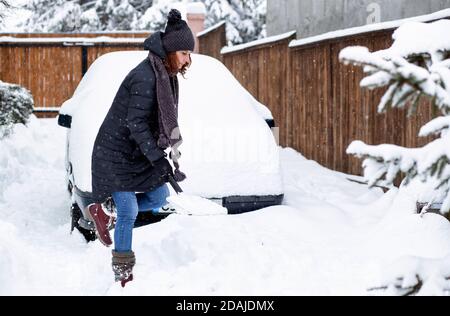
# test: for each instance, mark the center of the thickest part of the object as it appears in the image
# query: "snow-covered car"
(229, 152)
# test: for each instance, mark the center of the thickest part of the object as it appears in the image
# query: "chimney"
(196, 14)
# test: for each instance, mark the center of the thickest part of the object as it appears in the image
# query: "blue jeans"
(128, 204)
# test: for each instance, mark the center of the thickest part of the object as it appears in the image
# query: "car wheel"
(76, 214)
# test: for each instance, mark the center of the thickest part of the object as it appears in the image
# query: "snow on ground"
(330, 238)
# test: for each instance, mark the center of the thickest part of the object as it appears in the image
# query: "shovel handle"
(175, 184)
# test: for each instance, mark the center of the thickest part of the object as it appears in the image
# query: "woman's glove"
(174, 156)
(162, 166)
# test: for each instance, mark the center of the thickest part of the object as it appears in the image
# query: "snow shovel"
(186, 204)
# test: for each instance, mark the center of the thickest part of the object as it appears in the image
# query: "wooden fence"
(328, 109)
(52, 65)
(212, 40)
(263, 71)
(316, 100)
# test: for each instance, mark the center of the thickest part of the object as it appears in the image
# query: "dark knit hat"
(177, 35)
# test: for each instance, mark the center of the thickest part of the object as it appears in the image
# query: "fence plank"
(211, 43)
(96, 51)
(263, 70)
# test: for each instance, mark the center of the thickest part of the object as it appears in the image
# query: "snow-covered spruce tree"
(116, 14)
(154, 18)
(246, 19)
(16, 106)
(83, 15)
(417, 65)
(53, 16)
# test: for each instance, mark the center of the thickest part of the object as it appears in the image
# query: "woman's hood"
(154, 44)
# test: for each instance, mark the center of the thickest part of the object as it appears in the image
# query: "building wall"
(314, 17)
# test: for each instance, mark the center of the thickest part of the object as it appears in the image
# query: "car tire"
(76, 214)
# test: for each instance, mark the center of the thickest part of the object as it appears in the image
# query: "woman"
(128, 160)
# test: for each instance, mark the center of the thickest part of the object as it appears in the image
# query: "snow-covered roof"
(47, 109)
(196, 8)
(370, 28)
(267, 40)
(68, 34)
(418, 38)
(210, 29)
(99, 39)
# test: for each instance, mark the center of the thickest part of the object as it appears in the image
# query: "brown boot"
(102, 222)
(122, 266)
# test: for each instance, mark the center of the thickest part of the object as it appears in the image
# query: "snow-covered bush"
(417, 65)
(16, 106)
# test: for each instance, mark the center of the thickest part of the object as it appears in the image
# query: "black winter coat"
(125, 155)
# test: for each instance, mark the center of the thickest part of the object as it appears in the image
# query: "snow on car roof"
(228, 148)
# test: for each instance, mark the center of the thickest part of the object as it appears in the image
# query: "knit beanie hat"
(177, 35)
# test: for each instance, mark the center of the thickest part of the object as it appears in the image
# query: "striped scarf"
(167, 96)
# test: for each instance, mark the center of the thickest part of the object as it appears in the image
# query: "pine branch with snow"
(4, 7)
(416, 276)
(417, 65)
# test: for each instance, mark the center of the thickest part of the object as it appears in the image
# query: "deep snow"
(331, 238)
